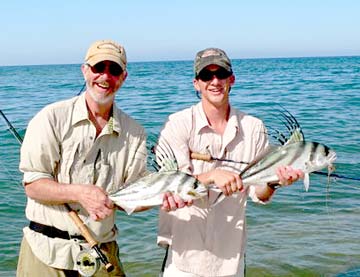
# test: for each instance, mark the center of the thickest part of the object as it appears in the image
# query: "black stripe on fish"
(260, 168)
(314, 147)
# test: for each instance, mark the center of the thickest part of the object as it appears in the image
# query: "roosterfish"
(148, 191)
(295, 151)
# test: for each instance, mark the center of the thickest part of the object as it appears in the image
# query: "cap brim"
(209, 61)
(100, 58)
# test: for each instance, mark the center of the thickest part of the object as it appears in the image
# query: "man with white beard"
(77, 152)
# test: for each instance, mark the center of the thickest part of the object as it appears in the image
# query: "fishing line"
(82, 89)
(336, 176)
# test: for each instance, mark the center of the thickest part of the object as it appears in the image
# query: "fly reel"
(87, 262)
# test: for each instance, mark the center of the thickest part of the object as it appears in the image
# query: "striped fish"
(307, 156)
(148, 191)
(294, 152)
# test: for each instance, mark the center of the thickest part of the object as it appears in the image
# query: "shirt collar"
(81, 113)
(202, 122)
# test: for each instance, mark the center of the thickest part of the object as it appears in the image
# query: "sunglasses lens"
(99, 67)
(207, 75)
(222, 74)
(114, 68)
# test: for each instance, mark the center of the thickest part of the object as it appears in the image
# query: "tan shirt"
(61, 144)
(206, 240)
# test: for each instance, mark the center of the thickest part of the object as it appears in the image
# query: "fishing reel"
(88, 262)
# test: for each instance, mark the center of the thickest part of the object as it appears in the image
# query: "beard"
(101, 98)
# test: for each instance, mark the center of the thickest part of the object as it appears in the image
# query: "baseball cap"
(106, 50)
(211, 56)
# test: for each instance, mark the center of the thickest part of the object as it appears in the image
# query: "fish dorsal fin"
(296, 136)
(164, 156)
(293, 132)
(168, 165)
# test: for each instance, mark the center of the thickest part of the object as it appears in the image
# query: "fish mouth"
(331, 156)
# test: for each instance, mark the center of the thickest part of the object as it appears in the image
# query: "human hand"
(171, 202)
(96, 202)
(228, 181)
(287, 175)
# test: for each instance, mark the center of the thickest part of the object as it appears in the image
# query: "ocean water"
(314, 233)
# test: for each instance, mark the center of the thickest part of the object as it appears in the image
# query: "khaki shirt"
(206, 240)
(61, 144)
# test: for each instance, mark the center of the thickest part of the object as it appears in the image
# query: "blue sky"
(59, 32)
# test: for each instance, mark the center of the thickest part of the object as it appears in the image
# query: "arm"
(40, 157)
(92, 198)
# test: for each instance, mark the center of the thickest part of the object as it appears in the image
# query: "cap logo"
(109, 46)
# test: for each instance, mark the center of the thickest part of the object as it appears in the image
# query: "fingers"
(287, 175)
(100, 214)
(96, 202)
(171, 202)
(228, 182)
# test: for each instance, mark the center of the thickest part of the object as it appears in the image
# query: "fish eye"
(196, 184)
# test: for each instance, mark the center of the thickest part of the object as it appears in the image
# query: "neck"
(217, 116)
(99, 114)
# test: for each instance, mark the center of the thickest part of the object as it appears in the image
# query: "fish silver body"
(306, 156)
(149, 190)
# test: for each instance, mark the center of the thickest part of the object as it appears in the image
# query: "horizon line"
(186, 60)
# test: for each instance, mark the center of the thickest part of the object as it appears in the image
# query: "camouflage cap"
(211, 56)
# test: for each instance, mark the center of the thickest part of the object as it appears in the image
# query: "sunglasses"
(114, 69)
(207, 75)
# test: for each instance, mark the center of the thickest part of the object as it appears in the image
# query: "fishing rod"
(11, 128)
(209, 158)
(73, 215)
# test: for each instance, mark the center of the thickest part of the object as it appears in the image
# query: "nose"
(107, 70)
(214, 78)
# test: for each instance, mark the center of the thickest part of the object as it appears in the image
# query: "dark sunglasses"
(114, 68)
(207, 75)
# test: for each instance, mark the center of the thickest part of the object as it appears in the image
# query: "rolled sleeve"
(30, 177)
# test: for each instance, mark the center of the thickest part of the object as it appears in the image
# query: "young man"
(206, 240)
(78, 151)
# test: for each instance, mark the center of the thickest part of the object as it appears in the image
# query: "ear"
(83, 69)
(232, 80)
(196, 85)
(125, 74)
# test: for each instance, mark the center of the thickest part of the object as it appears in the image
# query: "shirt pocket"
(105, 178)
(67, 163)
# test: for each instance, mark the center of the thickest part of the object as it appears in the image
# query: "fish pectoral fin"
(129, 211)
(306, 181)
(122, 204)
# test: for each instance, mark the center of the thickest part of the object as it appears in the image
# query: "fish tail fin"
(306, 181)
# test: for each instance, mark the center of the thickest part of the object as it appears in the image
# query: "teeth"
(103, 84)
